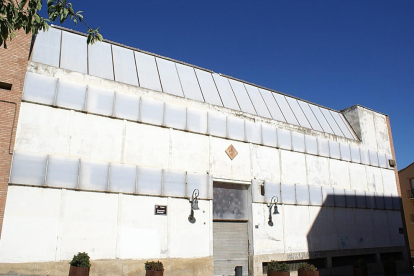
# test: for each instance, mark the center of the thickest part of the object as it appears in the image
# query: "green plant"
(361, 264)
(81, 260)
(276, 266)
(154, 266)
(307, 267)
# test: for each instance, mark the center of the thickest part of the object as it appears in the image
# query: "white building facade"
(112, 142)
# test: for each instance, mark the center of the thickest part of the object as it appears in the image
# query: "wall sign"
(160, 210)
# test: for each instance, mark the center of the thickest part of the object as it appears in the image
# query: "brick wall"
(13, 63)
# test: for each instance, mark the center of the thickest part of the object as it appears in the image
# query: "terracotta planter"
(79, 271)
(154, 273)
(278, 273)
(360, 272)
(308, 273)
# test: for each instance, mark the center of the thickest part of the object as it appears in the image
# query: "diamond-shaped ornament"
(231, 152)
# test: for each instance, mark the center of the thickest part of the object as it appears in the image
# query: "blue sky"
(334, 53)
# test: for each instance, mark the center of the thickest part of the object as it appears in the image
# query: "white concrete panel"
(47, 132)
(321, 119)
(142, 228)
(310, 116)
(223, 167)
(149, 181)
(62, 172)
(152, 111)
(253, 132)
(381, 133)
(93, 175)
(394, 219)
(127, 106)
(302, 194)
(71, 95)
(100, 60)
(381, 228)
(47, 47)
(297, 110)
(100, 101)
(147, 71)
(256, 188)
(317, 169)
(370, 199)
(174, 183)
(373, 157)
(284, 139)
(147, 145)
(388, 201)
(196, 120)
(287, 193)
(225, 91)
(30, 226)
(355, 156)
(188, 240)
(328, 196)
(169, 77)
(382, 160)
(311, 144)
(389, 182)
(189, 152)
(198, 181)
(272, 189)
(364, 156)
(322, 235)
(272, 105)
(360, 199)
(293, 167)
(374, 179)
(350, 198)
(363, 228)
(242, 97)
(189, 82)
(122, 178)
(297, 226)
(334, 126)
(267, 240)
(124, 65)
(257, 100)
(345, 152)
(340, 122)
(217, 124)
(89, 225)
(90, 134)
(28, 168)
(323, 147)
(235, 128)
(74, 54)
(334, 151)
(396, 202)
(285, 108)
(269, 135)
(339, 195)
(175, 116)
(345, 228)
(265, 163)
(379, 201)
(339, 174)
(358, 177)
(315, 195)
(298, 142)
(39, 88)
(367, 126)
(208, 87)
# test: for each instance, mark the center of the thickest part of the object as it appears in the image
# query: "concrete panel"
(223, 166)
(374, 179)
(89, 225)
(146, 145)
(322, 234)
(368, 136)
(90, 134)
(190, 152)
(395, 223)
(267, 239)
(339, 173)
(358, 177)
(142, 234)
(265, 163)
(30, 226)
(364, 228)
(47, 132)
(381, 133)
(317, 169)
(293, 167)
(345, 228)
(389, 181)
(381, 228)
(297, 226)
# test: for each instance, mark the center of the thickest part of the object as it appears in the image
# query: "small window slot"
(5, 85)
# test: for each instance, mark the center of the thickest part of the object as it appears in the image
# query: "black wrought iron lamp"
(273, 203)
(194, 205)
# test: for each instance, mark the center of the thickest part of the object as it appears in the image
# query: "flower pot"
(278, 273)
(308, 273)
(154, 273)
(360, 272)
(79, 271)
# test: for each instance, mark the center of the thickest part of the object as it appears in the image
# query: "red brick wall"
(13, 64)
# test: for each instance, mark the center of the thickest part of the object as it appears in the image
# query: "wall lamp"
(273, 203)
(194, 205)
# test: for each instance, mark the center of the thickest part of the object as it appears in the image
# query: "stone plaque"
(231, 152)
